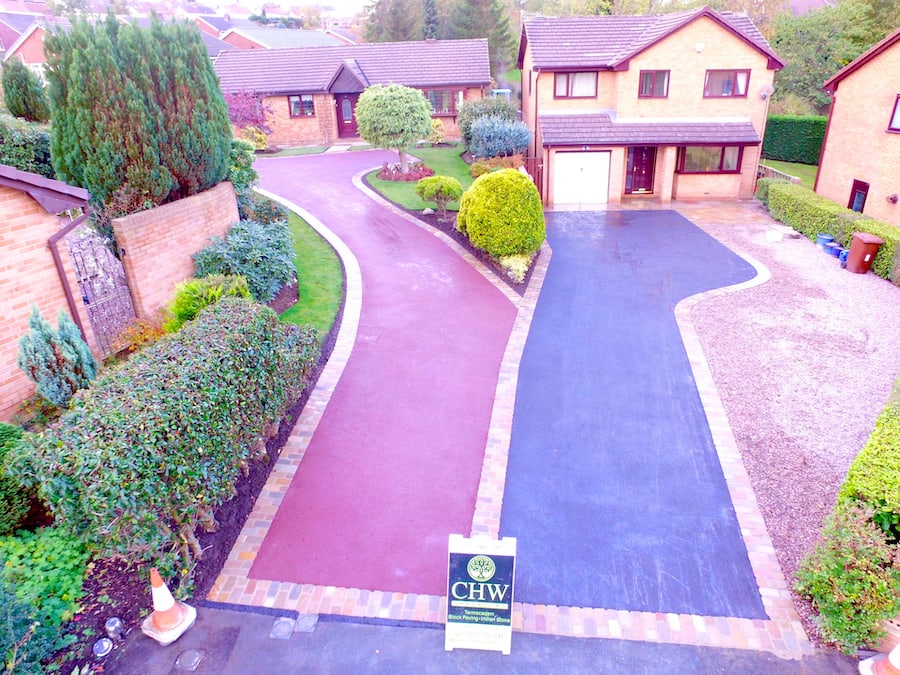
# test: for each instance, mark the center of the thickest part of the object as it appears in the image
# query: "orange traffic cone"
(882, 664)
(170, 618)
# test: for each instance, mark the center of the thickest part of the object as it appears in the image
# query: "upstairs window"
(726, 83)
(654, 84)
(709, 159)
(575, 85)
(302, 105)
(895, 116)
(444, 101)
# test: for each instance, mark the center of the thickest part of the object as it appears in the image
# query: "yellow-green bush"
(502, 214)
(195, 294)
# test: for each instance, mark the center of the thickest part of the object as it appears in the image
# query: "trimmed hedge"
(145, 456)
(502, 214)
(874, 476)
(811, 214)
(794, 138)
(439, 189)
(25, 146)
(15, 500)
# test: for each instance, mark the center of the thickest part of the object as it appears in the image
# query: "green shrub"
(15, 500)
(196, 294)
(498, 137)
(874, 476)
(811, 214)
(501, 213)
(262, 210)
(439, 189)
(25, 146)
(436, 137)
(255, 137)
(762, 189)
(493, 106)
(145, 456)
(57, 361)
(24, 642)
(23, 92)
(262, 254)
(852, 578)
(794, 138)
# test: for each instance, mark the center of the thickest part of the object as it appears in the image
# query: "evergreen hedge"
(137, 114)
(811, 214)
(874, 476)
(23, 92)
(144, 456)
(25, 146)
(794, 138)
(15, 501)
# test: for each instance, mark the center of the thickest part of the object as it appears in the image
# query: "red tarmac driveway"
(394, 464)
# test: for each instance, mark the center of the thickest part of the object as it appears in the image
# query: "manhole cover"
(282, 629)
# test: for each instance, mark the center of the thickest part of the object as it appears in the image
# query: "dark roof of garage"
(601, 129)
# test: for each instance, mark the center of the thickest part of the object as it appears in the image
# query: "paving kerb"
(782, 635)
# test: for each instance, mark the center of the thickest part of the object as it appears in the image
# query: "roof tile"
(601, 129)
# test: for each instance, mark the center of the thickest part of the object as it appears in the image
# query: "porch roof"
(600, 128)
(53, 195)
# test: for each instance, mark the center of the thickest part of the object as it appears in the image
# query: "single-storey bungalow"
(312, 92)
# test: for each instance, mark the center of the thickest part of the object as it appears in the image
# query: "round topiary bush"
(502, 214)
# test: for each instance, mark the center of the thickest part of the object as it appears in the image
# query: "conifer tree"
(484, 19)
(430, 20)
(23, 92)
(137, 114)
(57, 361)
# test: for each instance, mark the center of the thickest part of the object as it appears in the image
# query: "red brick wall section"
(241, 42)
(28, 277)
(158, 243)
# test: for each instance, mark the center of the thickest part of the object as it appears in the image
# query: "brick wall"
(157, 244)
(32, 49)
(287, 131)
(28, 277)
(241, 42)
(858, 145)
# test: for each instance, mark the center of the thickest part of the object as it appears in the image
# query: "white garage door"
(581, 177)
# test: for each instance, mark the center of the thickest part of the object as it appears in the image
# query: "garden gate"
(104, 288)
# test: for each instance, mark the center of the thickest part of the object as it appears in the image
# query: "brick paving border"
(782, 634)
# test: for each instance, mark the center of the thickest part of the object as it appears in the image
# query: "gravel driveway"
(804, 364)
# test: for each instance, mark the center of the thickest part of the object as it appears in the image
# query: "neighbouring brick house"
(860, 162)
(30, 272)
(670, 106)
(312, 92)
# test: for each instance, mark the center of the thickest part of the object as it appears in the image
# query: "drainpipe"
(57, 260)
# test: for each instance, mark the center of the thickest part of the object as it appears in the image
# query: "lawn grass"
(293, 152)
(444, 161)
(320, 279)
(805, 172)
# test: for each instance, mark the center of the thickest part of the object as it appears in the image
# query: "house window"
(575, 85)
(444, 101)
(302, 105)
(654, 84)
(895, 116)
(725, 83)
(710, 159)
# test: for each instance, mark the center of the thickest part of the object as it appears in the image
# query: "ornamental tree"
(57, 361)
(23, 92)
(136, 111)
(246, 109)
(441, 190)
(393, 117)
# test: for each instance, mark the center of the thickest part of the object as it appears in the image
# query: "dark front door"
(346, 104)
(858, 194)
(641, 162)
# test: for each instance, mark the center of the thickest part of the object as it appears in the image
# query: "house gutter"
(52, 243)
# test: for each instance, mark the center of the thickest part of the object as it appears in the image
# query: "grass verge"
(319, 277)
(292, 152)
(444, 161)
(805, 172)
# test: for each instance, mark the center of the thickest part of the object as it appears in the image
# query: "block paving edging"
(782, 634)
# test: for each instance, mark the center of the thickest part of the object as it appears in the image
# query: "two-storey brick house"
(312, 92)
(860, 162)
(668, 107)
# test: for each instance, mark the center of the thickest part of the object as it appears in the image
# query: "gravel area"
(804, 364)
